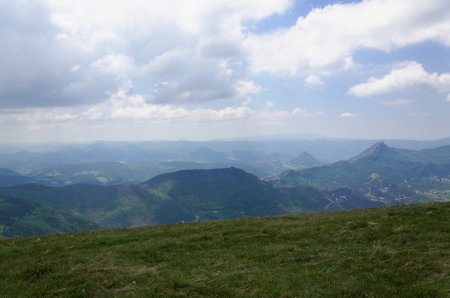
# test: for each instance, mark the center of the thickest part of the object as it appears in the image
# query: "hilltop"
(385, 252)
(191, 195)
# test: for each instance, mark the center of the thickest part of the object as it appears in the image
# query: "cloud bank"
(409, 75)
(195, 61)
(327, 37)
(62, 53)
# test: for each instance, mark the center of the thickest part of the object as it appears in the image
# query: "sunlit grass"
(398, 251)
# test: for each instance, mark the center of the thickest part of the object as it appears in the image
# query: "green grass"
(386, 252)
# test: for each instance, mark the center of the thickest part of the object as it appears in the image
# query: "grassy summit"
(385, 252)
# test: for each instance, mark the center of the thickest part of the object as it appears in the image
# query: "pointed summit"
(373, 153)
(379, 146)
(305, 160)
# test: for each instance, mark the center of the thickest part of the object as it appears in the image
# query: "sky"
(85, 70)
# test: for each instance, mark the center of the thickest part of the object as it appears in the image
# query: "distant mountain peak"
(379, 146)
(305, 160)
(377, 150)
(306, 154)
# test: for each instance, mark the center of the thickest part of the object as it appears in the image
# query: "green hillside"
(385, 252)
(19, 217)
(183, 196)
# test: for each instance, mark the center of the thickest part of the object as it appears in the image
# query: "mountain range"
(381, 173)
(378, 176)
(109, 163)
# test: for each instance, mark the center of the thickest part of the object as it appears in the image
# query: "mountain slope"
(107, 206)
(307, 198)
(383, 252)
(439, 155)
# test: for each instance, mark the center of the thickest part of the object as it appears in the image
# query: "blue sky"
(144, 70)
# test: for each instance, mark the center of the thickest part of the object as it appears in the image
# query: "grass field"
(386, 252)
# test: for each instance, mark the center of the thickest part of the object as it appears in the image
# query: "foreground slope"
(397, 251)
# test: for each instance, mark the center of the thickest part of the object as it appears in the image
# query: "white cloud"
(347, 115)
(448, 97)
(246, 87)
(247, 101)
(60, 53)
(327, 37)
(299, 111)
(209, 83)
(126, 107)
(39, 70)
(75, 68)
(169, 20)
(409, 75)
(115, 64)
(63, 53)
(269, 104)
(313, 81)
(396, 102)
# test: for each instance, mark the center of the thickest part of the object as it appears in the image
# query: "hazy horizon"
(80, 71)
